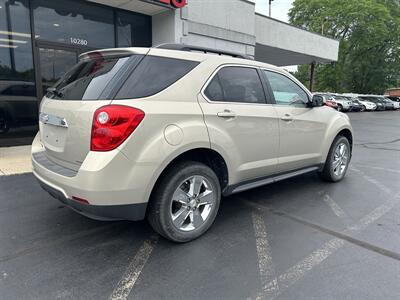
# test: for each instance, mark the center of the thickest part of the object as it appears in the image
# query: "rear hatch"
(67, 110)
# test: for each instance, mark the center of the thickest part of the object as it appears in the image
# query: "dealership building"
(41, 39)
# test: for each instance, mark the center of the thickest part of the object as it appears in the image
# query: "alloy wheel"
(192, 203)
(340, 159)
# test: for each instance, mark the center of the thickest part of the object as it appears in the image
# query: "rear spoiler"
(114, 52)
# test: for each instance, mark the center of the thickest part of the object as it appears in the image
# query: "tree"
(369, 35)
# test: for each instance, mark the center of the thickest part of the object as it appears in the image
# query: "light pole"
(270, 7)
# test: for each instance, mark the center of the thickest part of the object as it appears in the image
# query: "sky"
(280, 8)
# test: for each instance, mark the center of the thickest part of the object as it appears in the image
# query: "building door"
(54, 61)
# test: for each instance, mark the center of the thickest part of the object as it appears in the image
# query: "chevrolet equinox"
(164, 132)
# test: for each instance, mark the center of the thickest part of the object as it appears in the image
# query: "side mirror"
(317, 101)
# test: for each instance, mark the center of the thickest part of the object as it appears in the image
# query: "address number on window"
(77, 41)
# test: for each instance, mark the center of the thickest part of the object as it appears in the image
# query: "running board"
(260, 182)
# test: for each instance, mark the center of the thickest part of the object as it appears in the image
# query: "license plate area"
(54, 137)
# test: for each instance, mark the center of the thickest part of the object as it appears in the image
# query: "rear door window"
(153, 75)
(236, 84)
(92, 78)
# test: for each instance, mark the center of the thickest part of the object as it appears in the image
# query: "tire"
(363, 108)
(192, 217)
(329, 172)
(340, 107)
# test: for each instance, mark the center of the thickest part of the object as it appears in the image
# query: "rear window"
(153, 75)
(92, 78)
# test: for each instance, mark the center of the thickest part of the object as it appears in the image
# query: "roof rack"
(183, 47)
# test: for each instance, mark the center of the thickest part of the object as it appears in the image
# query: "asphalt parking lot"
(297, 239)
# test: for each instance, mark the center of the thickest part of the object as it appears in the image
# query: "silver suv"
(160, 133)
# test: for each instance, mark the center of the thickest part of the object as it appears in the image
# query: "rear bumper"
(115, 187)
(133, 212)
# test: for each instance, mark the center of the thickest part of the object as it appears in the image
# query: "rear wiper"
(55, 92)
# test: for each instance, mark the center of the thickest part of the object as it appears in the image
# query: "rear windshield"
(92, 78)
(119, 77)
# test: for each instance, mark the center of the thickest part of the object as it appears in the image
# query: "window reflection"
(18, 103)
(133, 30)
(74, 23)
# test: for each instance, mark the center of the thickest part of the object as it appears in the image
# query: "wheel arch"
(347, 134)
(338, 126)
(207, 156)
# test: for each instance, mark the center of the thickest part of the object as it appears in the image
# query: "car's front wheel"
(185, 202)
(338, 160)
(340, 107)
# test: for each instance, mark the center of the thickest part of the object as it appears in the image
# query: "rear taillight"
(112, 125)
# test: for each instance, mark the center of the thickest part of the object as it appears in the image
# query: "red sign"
(174, 3)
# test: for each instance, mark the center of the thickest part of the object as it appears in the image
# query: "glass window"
(89, 78)
(236, 84)
(18, 103)
(74, 22)
(214, 90)
(286, 91)
(54, 63)
(153, 75)
(133, 29)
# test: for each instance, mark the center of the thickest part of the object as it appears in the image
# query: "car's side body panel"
(301, 139)
(250, 140)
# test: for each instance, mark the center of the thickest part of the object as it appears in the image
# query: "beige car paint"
(255, 143)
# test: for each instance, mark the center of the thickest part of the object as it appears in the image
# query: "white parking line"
(337, 210)
(378, 168)
(377, 183)
(265, 264)
(295, 273)
(132, 273)
(298, 271)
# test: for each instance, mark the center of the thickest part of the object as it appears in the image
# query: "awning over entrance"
(282, 44)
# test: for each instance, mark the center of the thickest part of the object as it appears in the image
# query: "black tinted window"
(153, 75)
(236, 84)
(214, 90)
(89, 78)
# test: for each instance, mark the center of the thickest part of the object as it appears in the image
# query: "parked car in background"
(355, 105)
(368, 105)
(396, 104)
(328, 100)
(389, 105)
(343, 103)
(393, 98)
(380, 105)
(331, 104)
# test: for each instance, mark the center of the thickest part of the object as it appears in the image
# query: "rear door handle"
(226, 114)
(287, 118)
